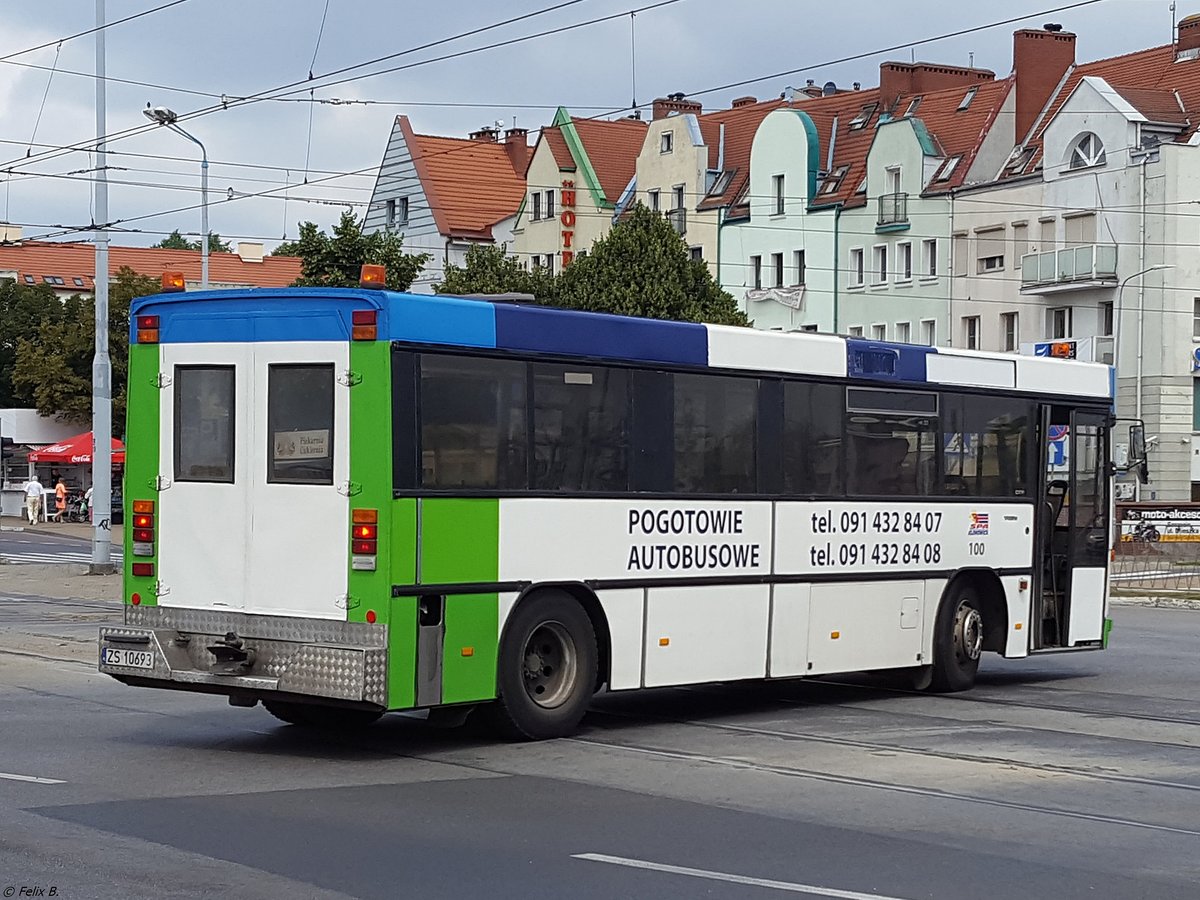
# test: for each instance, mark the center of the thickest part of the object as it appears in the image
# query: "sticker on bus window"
(293, 445)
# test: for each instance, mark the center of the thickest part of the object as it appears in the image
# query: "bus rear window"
(204, 398)
(300, 424)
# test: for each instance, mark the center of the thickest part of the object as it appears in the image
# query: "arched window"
(1088, 150)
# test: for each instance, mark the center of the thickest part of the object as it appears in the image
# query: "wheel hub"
(550, 664)
(968, 632)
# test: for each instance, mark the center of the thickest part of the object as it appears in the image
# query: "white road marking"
(791, 887)
(67, 556)
(31, 778)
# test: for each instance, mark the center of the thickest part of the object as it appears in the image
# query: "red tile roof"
(48, 259)
(470, 184)
(1145, 78)
(558, 148)
(612, 147)
(740, 123)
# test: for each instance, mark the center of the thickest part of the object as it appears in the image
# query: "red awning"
(75, 451)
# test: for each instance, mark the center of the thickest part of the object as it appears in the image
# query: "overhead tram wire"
(957, 33)
(226, 102)
(104, 27)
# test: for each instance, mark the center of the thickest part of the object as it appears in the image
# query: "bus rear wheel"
(957, 640)
(326, 718)
(546, 670)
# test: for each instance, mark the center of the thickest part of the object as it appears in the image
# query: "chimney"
(743, 101)
(518, 149)
(486, 133)
(1040, 60)
(10, 234)
(675, 103)
(1188, 37)
(896, 78)
(250, 251)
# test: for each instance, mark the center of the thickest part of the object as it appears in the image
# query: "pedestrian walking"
(34, 492)
(87, 504)
(60, 501)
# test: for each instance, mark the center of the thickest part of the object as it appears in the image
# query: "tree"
(53, 368)
(336, 261)
(489, 269)
(176, 241)
(24, 311)
(642, 267)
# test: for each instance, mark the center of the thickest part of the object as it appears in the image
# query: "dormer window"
(667, 142)
(863, 117)
(965, 103)
(1087, 151)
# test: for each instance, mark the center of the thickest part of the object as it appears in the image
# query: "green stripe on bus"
(460, 543)
(402, 614)
(142, 413)
(371, 471)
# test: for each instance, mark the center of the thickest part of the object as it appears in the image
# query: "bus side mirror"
(1138, 461)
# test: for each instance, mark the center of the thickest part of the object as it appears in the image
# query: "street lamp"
(164, 116)
(1117, 345)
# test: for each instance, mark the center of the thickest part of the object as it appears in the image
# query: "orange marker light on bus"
(372, 277)
(172, 282)
(364, 516)
(147, 329)
(143, 506)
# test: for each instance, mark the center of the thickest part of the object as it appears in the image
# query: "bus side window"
(473, 423)
(812, 438)
(580, 428)
(982, 445)
(715, 432)
(891, 442)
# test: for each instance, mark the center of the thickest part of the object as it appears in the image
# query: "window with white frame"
(965, 102)
(677, 196)
(903, 332)
(550, 204)
(893, 180)
(960, 254)
(798, 266)
(756, 271)
(667, 142)
(537, 206)
(879, 332)
(777, 186)
(654, 203)
(929, 257)
(1060, 323)
(989, 250)
(390, 213)
(855, 331)
(1087, 151)
(1106, 319)
(777, 269)
(857, 274)
(929, 332)
(402, 211)
(904, 261)
(971, 332)
(1008, 332)
(879, 271)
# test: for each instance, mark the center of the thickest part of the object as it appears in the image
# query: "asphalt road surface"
(1065, 776)
(40, 547)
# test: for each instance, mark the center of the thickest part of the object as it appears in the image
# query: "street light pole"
(168, 117)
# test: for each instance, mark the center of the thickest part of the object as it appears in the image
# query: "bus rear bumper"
(248, 656)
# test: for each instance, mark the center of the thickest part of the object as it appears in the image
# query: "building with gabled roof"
(70, 268)
(443, 194)
(578, 173)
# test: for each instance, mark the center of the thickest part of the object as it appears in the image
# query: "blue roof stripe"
(546, 330)
(225, 317)
(426, 319)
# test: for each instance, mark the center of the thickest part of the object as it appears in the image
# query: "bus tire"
(957, 639)
(546, 669)
(325, 718)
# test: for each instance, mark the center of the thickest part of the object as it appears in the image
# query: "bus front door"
(1073, 530)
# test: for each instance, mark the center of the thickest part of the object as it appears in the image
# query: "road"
(1066, 776)
(41, 547)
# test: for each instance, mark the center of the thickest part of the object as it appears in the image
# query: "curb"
(1157, 602)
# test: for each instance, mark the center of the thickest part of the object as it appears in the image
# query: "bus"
(345, 502)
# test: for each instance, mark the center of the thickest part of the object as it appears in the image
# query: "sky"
(294, 152)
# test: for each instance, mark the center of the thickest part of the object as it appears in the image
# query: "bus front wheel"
(546, 670)
(958, 640)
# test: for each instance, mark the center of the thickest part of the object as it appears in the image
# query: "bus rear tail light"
(147, 329)
(363, 325)
(364, 538)
(143, 570)
(143, 532)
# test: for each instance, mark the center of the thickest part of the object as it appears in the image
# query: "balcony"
(1080, 268)
(893, 212)
(678, 220)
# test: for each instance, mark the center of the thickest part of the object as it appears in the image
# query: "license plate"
(129, 659)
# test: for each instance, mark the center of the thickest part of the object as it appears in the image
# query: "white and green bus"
(346, 502)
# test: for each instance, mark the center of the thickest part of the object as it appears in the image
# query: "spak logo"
(978, 524)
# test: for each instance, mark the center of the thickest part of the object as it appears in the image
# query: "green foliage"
(489, 269)
(24, 311)
(642, 267)
(53, 366)
(336, 261)
(176, 241)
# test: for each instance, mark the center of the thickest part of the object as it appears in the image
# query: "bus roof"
(324, 314)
